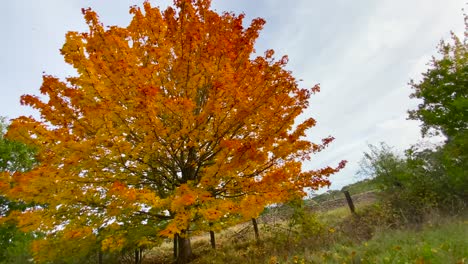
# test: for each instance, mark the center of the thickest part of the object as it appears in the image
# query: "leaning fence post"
(350, 202)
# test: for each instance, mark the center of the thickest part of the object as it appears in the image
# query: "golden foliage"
(169, 121)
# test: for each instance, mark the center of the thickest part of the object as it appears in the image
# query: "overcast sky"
(362, 52)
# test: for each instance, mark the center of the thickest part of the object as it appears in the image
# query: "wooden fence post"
(255, 226)
(176, 243)
(100, 256)
(350, 202)
(212, 237)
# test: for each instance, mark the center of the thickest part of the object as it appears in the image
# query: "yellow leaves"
(73, 49)
(27, 221)
(205, 197)
(169, 117)
(180, 223)
(52, 247)
(227, 206)
(125, 199)
(273, 260)
(43, 248)
(5, 180)
(212, 214)
(113, 243)
(129, 195)
(77, 233)
(251, 206)
(150, 198)
(114, 209)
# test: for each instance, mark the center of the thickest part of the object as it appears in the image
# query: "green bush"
(14, 244)
(422, 181)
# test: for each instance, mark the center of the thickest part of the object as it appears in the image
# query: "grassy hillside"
(367, 185)
(301, 233)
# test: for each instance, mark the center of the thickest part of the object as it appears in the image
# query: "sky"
(363, 53)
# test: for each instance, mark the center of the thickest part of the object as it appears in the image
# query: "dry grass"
(332, 236)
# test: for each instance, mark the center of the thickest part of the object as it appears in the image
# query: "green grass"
(334, 235)
(441, 240)
(362, 186)
(444, 243)
(334, 216)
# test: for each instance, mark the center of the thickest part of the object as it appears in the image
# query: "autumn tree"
(170, 123)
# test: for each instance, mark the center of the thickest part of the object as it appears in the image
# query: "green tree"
(400, 181)
(14, 157)
(444, 108)
(438, 176)
(443, 90)
(384, 165)
(421, 181)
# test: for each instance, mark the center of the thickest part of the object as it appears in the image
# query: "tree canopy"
(444, 110)
(443, 90)
(170, 124)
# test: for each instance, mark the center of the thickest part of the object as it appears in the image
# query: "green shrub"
(422, 181)
(15, 245)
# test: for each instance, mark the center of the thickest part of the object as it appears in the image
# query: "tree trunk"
(184, 253)
(255, 226)
(137, 256)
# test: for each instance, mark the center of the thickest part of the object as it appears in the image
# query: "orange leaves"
(212, 214)
(48, 249)
(43, 247)
(118, 187)
(124, 199)
(231, 144)
(169, 121)
(90, 16)
(149, 91)
(77, 233)
(183, 198)
(170, 230)
(28, 221)
(4, 182)
(150, 198)
(252, 205)
(216, 209)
